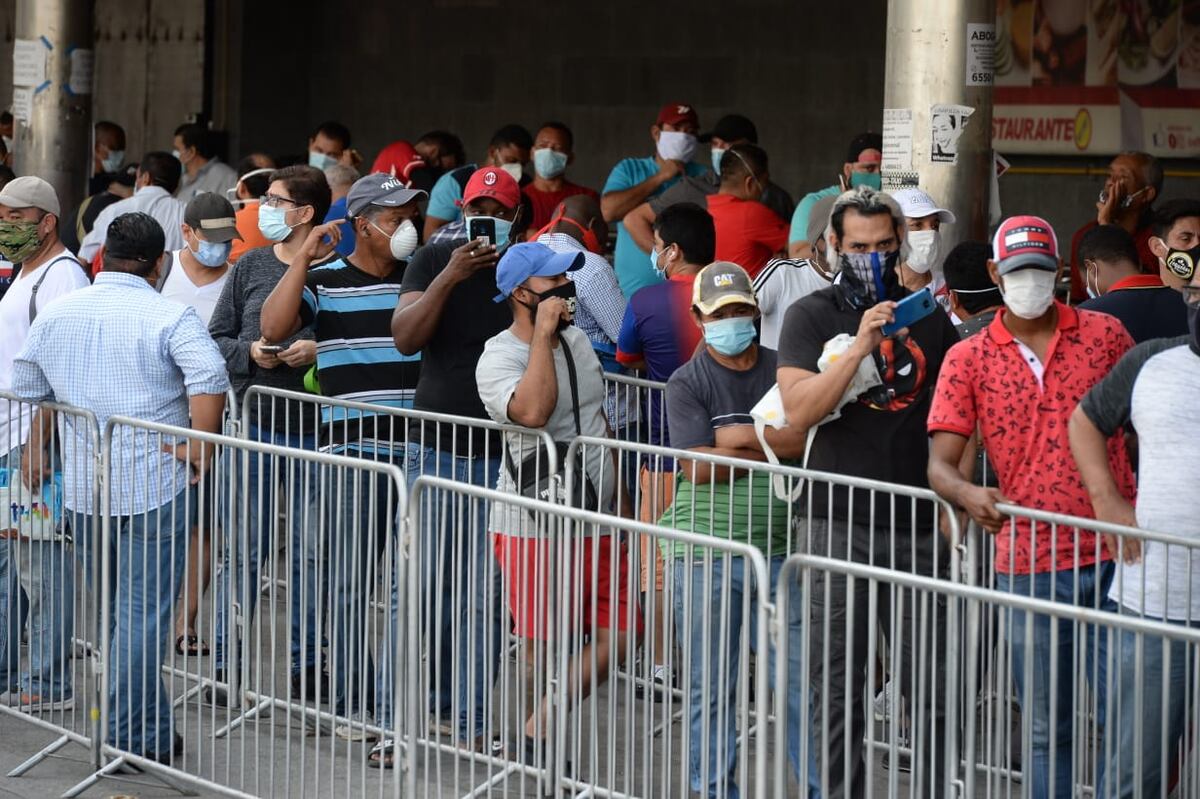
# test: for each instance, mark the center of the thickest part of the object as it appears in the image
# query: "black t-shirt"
(1148, 312)
(469, 319)
(881, 436)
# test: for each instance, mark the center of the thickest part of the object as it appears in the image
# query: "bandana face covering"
(869, 278)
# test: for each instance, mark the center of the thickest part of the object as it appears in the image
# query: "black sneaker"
(311, 684)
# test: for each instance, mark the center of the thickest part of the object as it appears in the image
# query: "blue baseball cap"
(529, 259)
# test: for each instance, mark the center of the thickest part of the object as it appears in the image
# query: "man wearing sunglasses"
(748, 232)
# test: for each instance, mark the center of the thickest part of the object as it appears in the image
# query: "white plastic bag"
(768, 411)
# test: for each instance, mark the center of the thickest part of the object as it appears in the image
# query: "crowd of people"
(487, 291)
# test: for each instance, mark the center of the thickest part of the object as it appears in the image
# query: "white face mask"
(924, 250)
(403, 241)
(1028, 292)
(515, 170)
(674, 145)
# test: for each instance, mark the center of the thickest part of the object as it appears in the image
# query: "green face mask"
(872, 179)
(19, 240)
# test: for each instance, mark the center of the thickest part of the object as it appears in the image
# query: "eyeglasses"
(274, 201)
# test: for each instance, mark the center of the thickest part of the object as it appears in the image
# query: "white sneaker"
(353, 733)
(883, 702)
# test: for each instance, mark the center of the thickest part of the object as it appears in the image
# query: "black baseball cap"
(861, 142)
(212, 216)
(732, 127)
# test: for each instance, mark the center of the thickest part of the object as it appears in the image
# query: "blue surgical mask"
(658, 270)
(872, 179)
(730, 336)
(549, 163)
(320, 160)
(716, 159)
(272, 223)
(113, 161)
(213, 254)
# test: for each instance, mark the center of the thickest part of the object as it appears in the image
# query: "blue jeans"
(1090, 591)
(715, 614)
(1135, 723)
(457, 553)
(259, 506)
(37, 585)
(147, 554)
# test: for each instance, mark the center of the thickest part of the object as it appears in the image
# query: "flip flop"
(383, 754)
(190, 645)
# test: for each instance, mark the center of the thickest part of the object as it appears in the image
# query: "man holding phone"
(446, 313)
(881, 436)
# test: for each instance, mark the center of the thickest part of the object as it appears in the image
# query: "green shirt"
(746, 511)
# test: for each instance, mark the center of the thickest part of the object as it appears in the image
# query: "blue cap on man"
(523, 261)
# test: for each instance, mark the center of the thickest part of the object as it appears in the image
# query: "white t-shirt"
(180, 288)
(63, 275)
(778, 285)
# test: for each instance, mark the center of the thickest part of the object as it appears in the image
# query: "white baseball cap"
(916, 204)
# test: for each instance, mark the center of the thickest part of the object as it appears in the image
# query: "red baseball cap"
(1025, 242)
(398, 159)
(495, 183)
(675, 114)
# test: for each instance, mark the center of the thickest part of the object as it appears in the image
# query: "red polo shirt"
(987, 382)
(748, 232)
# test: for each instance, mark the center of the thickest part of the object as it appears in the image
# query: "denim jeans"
(715, 615)
(37, 586)
(457, 553)
(256, 496)
(1090, 590)
(1135, 722)
(147, 553)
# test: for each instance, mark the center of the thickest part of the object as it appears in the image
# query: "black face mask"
(1183, 263)
(566, 291)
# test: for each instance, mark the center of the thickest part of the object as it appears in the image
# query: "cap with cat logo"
(719, 284)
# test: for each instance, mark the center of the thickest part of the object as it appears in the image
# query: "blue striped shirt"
(119, 348)
(351, 312)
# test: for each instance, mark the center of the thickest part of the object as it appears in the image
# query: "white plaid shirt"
(119, 348)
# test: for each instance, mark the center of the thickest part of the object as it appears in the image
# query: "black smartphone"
(272, 349)
(481, 228)
(911, 309)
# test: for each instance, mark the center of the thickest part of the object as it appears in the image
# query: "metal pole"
(940, 58)
(52, 95)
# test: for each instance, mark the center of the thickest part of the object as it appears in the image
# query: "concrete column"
(939, 52)
(55, 141)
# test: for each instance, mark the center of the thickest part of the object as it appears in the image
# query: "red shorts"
(595, 601)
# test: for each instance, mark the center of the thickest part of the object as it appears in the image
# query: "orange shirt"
(247, 226)
(748, 232)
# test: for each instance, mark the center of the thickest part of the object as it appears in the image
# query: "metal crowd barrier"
(49, 661)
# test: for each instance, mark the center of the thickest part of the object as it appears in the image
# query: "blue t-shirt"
(446, 193)
(631, 262)
(345, 247)
(803, 210)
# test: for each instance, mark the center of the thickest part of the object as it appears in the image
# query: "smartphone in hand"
(482, 228)
(910, 310)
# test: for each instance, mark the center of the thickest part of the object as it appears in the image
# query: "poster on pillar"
(1095, 77)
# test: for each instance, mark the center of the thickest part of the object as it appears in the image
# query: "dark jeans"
(839, 659)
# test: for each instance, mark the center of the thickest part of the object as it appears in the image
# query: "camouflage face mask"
(19, 240)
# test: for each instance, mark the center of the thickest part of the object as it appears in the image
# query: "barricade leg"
(1044, 669)
(798, 688)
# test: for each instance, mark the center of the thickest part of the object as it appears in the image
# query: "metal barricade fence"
(286, 743)
(1059, 706)
(569, 601)
(637, 411)
(1178, 645)
(49, 664)
(854, 519)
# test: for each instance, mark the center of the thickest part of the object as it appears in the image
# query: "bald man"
(577, 225)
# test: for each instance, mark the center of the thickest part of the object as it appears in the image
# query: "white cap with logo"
(916, 204)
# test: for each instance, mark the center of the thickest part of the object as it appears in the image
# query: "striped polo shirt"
(351, 312)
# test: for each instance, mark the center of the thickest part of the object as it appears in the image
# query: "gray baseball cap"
(379, 188)
(30, 192)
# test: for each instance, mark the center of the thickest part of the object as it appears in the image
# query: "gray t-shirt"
(1147, 388)
(500, 368)
(703, 395)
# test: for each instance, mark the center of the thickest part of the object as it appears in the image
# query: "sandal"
(383, 754)
(190, 645)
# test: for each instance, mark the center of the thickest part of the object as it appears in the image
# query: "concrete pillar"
(52, 94)
(940, 53)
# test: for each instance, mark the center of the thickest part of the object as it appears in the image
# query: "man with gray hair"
(879, 435)
(340, 178)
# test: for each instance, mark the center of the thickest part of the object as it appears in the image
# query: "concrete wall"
(393, 70)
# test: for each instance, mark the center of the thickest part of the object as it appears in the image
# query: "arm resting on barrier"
(945, 477)
(701, 472)
(206, 411)
(787, 442)
(1089, 445)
